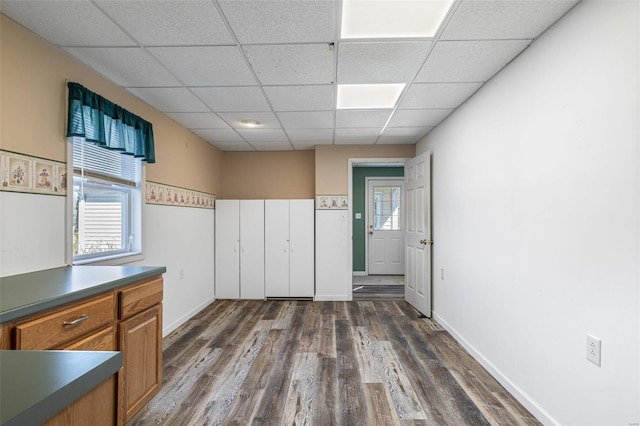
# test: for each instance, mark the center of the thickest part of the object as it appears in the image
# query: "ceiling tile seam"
(140, 45)
(449, 16)
(223, 16)
(160, 62)
(336, 46)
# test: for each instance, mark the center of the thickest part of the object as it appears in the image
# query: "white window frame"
(136, 201)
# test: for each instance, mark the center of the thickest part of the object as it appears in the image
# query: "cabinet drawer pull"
(76, 321)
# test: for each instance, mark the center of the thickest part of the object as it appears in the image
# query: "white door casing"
(385, 236)
(418, 233)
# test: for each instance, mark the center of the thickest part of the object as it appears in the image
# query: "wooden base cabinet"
(128, 319)
(140, 340)
(141, 346)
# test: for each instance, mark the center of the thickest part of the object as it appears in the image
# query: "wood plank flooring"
(323, 363)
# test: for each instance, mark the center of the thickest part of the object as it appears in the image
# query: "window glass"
(386, 208)
(106, 202)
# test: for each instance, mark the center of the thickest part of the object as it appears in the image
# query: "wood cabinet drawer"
(51, 331)
(103, 340)
(139, 297)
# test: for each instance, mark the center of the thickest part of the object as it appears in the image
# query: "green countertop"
(35, 385)
(26, 294)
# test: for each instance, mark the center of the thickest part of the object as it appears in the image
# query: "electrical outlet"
(593, 349)
(442, 274)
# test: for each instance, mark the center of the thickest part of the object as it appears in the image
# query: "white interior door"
(385, 234)
(227, 252)
(417, 289)
(276, 268)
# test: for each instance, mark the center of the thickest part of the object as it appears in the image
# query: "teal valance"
(109, 125)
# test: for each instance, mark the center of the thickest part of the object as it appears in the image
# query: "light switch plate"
(358, 215)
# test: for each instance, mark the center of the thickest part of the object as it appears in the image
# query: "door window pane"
(386, 208)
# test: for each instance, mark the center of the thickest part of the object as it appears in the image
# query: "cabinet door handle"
(76, 321)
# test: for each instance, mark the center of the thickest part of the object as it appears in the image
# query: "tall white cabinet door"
(302, 246)
(252, 249)
(276, 248)
(227, 259)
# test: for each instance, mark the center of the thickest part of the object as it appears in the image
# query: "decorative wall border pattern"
(168, 195)
(34, 175)
(332, 202)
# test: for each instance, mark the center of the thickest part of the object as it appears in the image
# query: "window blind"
(91, 160)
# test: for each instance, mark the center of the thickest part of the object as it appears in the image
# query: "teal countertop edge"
(26, 294)
(35, 385)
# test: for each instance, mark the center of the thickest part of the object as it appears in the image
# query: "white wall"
(32, 238)
(182, 239)
(333, 265)
(536, 207)
(32, 232)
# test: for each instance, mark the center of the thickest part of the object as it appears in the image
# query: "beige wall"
(33, 112)
(269, 175)
(332, 163)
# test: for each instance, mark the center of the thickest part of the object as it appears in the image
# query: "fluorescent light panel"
(368, 96)
(392, 18)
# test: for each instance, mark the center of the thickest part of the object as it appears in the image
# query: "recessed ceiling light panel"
(368, 96)
(392, 18)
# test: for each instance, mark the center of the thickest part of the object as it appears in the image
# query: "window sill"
(116, 259)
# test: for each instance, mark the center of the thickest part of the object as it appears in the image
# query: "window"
(106, 202)
(386, 208)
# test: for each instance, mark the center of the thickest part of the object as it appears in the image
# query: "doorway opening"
(377, 249)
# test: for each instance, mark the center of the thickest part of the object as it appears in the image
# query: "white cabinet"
(289, 248)
(239, 257)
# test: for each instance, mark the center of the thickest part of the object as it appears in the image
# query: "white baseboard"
(331, 298)
(517, 393)
(359, 273)
(167, 329)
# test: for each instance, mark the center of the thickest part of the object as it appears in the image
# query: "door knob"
(370, 232)
(424, 242)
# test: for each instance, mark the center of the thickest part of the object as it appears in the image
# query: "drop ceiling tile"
(310, 135)
(169, 99)
(125, 66)
(357, 136)
(232, 146)
(307, 120)
(287, 64)
(468, 61)
(169, 23)
(307, 145)
(218, 135)
(418, 117)
(482, 20)
(206, 65)
(67, 23)
(294, 21)
(437, 95)
(380, 62)
(400, 135)
(232, 99)
(279, 145)
(267, 120)
(362, 118)
(300, 98)
(263, 135)
(199, 120)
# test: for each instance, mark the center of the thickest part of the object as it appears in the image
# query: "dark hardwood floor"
(323, 363)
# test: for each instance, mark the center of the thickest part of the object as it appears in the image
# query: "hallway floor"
(377, 287)
(325, 363)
